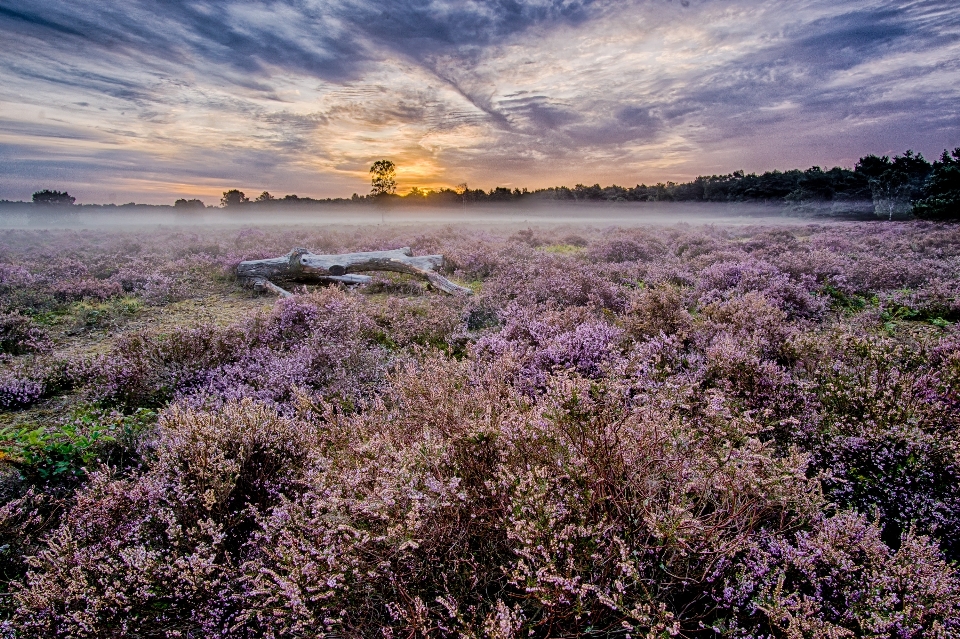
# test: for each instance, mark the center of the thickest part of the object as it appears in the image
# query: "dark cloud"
(329, 40)
(848, 40)
(32, 21)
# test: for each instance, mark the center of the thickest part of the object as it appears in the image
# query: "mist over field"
(488, 217)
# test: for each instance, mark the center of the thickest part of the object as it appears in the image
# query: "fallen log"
(300, 265)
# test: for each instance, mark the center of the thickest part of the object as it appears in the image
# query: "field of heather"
(693, 431)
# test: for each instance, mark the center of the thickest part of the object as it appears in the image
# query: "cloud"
(306, 93)
(330, 40)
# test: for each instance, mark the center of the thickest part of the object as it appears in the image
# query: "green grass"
(562, 249)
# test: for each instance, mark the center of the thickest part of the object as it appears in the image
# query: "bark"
(300, 265)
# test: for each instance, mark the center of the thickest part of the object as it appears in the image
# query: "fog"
(489, 217)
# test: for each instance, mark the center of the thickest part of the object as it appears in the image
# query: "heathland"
(738, 430)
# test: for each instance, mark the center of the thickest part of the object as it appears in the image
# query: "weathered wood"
(300, 265)
(346, 279)
(261, 284)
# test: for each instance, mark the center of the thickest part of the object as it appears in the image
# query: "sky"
(153, 100)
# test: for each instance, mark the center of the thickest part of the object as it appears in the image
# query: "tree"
(265, 197)
(942, 201)
(188, 204)
(383, 176)
(895, 184)
(416, 191)
(53, 198)
(233, 198)
(872, 167)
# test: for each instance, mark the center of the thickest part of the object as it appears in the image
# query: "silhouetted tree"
(188, 204)
(383, 176)
(265, 197)
(589, 193)
(895, 184)
(233, 198)
(872, 167)
(53, 198)
(942, 189)
(415, 192)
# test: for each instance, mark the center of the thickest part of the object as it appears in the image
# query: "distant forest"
(903, 186)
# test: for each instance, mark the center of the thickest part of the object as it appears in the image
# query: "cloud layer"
(151, 100)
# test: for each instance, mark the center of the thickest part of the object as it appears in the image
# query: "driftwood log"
(300, 265)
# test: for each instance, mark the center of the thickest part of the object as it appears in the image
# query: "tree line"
(900, 186)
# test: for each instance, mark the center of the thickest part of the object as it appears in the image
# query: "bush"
(655, 310)
(840, 580)
(134, 557)
(725, 279)
(19, 335)
(27, 383)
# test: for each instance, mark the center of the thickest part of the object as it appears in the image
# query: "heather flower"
(725, 279)
(736, 431)
(839, 580)
(137, 556)
(19, 335)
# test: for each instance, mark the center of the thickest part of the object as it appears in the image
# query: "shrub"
(19, 335)
(26, 383)
(725, 279)
(841, 580)
(19, 392)
(148, 370)
(541, 343)
(448, 517)
(626, 249)
(406, 322)
(135, 556)
(655, 310)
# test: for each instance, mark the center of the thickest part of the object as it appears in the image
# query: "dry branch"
(300, 265)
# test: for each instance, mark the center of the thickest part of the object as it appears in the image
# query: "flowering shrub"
(655, 310)
(841, 580)
(889, 421)
(541, 342)
(17, 391)
(632, 248)
(26, 383)
(140, 555)
(747, 432)
(19, 335)
(725, 279)
(147, 370)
